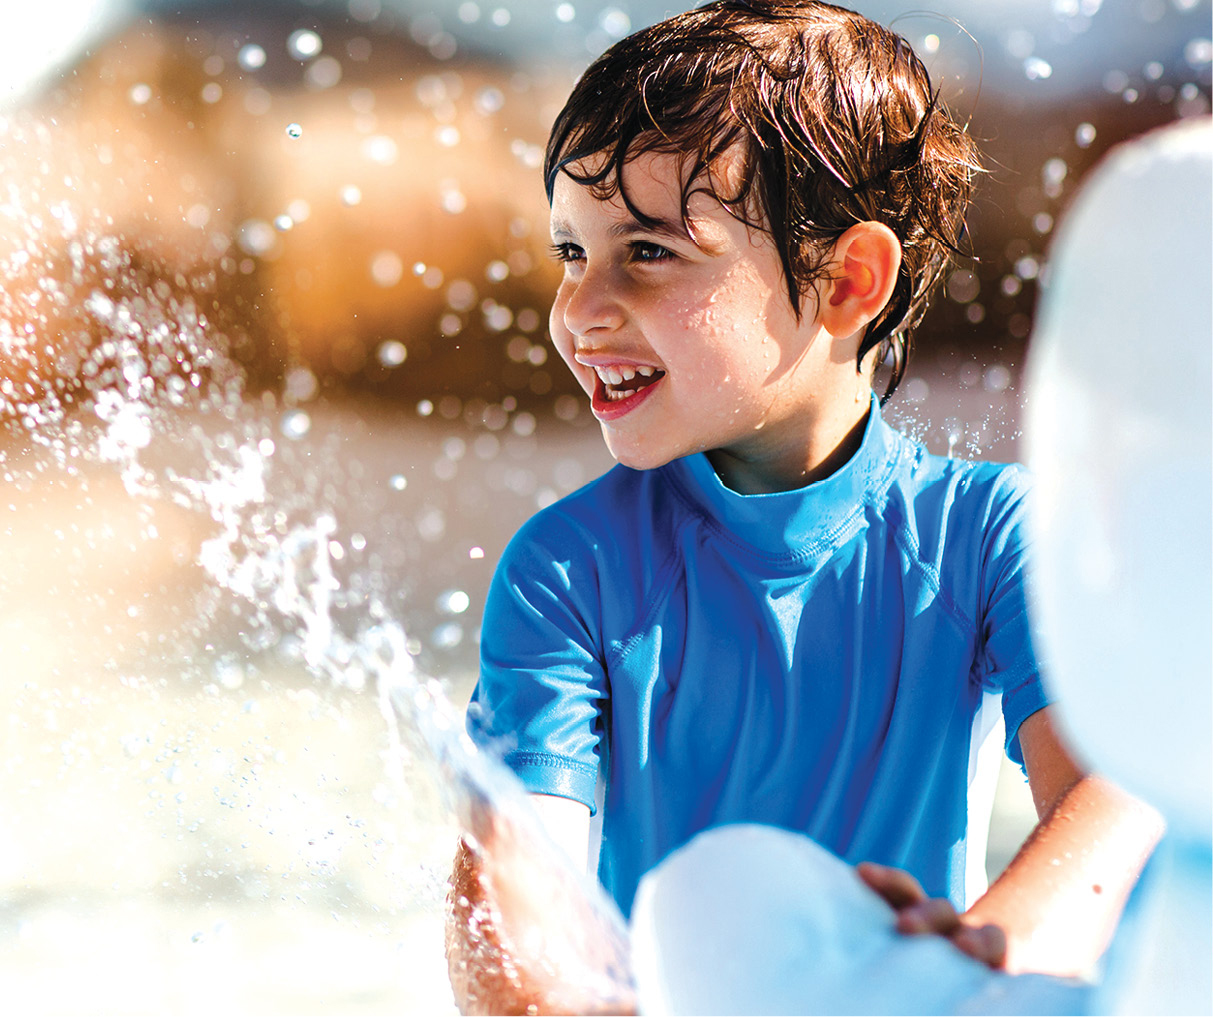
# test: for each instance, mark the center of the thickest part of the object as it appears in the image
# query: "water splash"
(114, 368)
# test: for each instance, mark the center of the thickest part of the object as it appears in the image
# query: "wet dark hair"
(836, 122)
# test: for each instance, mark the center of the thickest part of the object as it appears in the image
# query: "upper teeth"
(618, 375)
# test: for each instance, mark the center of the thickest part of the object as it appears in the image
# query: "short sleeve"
(541, 694)
(1008, 652)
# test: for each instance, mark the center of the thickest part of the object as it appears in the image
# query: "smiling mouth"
(616, 384)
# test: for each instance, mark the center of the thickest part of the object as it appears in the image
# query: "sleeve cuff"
(545, 774)
(1017, 706)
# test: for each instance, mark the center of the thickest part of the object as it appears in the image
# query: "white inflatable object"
(751, 919)
(1118, 436)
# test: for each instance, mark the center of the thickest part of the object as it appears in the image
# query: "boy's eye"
(566, 252)
(644, 251)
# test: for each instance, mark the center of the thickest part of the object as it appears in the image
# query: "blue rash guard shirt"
(827, 660)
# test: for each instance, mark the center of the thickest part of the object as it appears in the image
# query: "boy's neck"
(825, 447)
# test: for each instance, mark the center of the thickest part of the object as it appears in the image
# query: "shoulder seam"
(909, 546)
(656, 598)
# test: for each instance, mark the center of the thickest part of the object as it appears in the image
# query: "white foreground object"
(750, 919)
(1118, 434)
(1120, 404)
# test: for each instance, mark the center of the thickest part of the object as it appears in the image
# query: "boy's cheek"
(564, 346)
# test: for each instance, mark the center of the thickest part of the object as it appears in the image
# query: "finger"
(929, 916)
(898, 888)
(987, 944)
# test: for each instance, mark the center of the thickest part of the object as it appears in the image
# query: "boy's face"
(688, 342)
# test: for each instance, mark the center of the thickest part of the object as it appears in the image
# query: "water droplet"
(453, 200)
(251, 57)
(1054, 171)
(392, 353)
(324, 73)
(256, 237)
(453, 602)
(1027, 267)
(387, 269)
(963, 286)
(380, 149)
(229, 674)
(283, 222)
(398, 482)
(615, 22)
(954, 431)
(1084, 134)
(365, 10)
(300, 385)
(460, 295)
(140, 94)
(489, 100)
(917, 390)
(1034, 68)
(431, 526)
(304, 44)
(1198, 53)
(997, 378)
(350, 195)
(294, 131)
(1020, 43)
(295, 424)
(448, 636)
(476, 552)
(565, 12)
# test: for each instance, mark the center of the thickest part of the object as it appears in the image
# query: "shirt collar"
(793, 521)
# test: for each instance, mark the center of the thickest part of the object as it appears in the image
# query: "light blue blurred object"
(1118, 428)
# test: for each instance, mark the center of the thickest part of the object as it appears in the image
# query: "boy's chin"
(639, 458)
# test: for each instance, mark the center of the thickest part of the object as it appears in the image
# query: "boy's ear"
(862, 275)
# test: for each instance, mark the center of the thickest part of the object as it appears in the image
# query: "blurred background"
(274, 378)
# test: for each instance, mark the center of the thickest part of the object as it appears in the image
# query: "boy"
(776, 609)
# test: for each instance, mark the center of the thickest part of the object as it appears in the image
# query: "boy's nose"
(592, 303)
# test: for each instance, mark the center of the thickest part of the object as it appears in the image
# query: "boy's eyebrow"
(632, 227)
(675, 230)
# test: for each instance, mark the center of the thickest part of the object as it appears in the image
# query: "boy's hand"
(523, 936)
(918, 914)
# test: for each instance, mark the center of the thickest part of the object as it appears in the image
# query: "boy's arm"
(522, 936)
(1056, 906)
